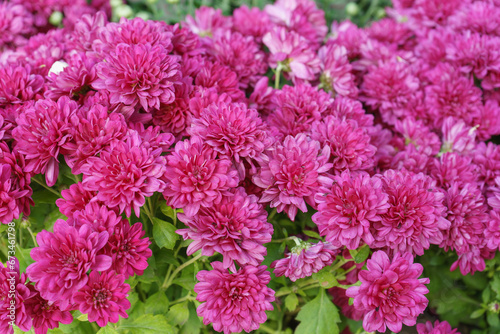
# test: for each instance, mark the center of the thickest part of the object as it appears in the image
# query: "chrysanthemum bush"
(259, 171)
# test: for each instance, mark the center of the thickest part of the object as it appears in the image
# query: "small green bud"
(352, 9)
(56, 18)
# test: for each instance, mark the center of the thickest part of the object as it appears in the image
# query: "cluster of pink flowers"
(380, 132)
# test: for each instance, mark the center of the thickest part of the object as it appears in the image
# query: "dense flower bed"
(263, 143)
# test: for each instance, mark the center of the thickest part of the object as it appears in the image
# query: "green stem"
(278, 241)
(45, 186)
(267, 329)
(170, 279)
(32, 236)
(183, 299)
(277, 77)
(272, 214)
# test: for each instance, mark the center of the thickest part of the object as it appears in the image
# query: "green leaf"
(178, 314)
(477, 313)
(157, 303)
(493, 319)
(495, 285)
(193, 325)
(361, 254)
(83, 317)
(291, 302)
(318, 316)
(148, 324)
(164, 233)
(107, 330)
(325, 278)
(168, 211)
(44, 197)
(312, 234)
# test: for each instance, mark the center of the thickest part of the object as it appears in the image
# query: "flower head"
(391, 292)
(63, 259)
(104, 298)
(304, 260)
(18, 83)
(336, 71)
(236, 227)
(442, 327)
(234, 302)
(293, 174)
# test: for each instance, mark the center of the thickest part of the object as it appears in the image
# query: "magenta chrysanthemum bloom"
(415, 218)
(139, 74)
(86, 31)
(46, 315)
(208, 22)
(233, 130)
(391, 292)
(348, 211)
(104, 298)
(467, 212)
(75, 79)
(492, 231)
(236, 227)
(494, 195)
(16, 23)
(221, 78)
(392, 88)
(129, 249)
(452, 168)
(415, 132)
(294, 172)
(12, 279)
(292, 54)
(234, 302)
(251, 22)
(43, 132)
(93, 131)
(347, 108)
(125, 173)
(74, 199)
(18, 83)
(336, 71)
(196, 178)
(184, 41)
(457, 136)
(9, 195)
(349, 144)
(442, 327)
(486, 156)
(304, 260)
(242, 55)
(63, 258)
(295, 108)
(96, 216)
(470, 261)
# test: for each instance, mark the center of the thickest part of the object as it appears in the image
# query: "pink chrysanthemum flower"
(16, 23)
(336, 71)
(234, 302)
(93, 131)
(494, 195)
(9, 195)
(251, 22)
(11, 278)
(104, 298)
(262, 97)
(297, 107)
(347, 108)
(184, 41)
(208, 22)
(411, 159)
(488, 120)
(492, 231)
(232, 130)
(348, 35)
(391, 292)
(236, 227)
(305, 259)
(86, 31)
(392, 88)
(195, 177)
(438, 328)
(152, 137)
(300, 16)
(63, 258)
(74, 199)
(96, 216)
(241, 54)
(349, 144)
(18, 83)
(46, 315)
(133, 32)
(391, 31)
(128, 249)
(467, 212)
(43, 132)
(293, 174)
(139, 74)
(415, 218)
(125, 173)
(74, 80)
(349, 210)
(292, 54)
(477, 16)
(457, 136)
(221, 78)
(452, 168)
(486, 156)
(415, 132)
(470, 261)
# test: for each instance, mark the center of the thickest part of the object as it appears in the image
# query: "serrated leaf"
(107, 330)
(318, 316)
(477, 313)
(148, 324)
(326, 279)
(291, 302)
(164, 233)
(178, 314)
(312, 234)
(157, 303)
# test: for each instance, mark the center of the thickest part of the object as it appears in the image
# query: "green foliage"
(318, 316)
(164, 233)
